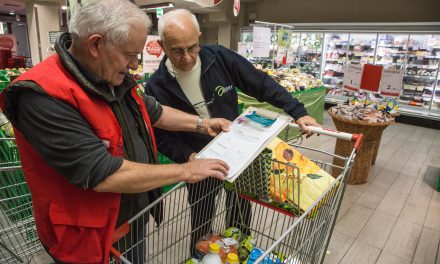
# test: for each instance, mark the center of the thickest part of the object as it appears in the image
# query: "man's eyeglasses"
(180, 52)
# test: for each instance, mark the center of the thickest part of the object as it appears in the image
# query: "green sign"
(159, 12)
(284, 37)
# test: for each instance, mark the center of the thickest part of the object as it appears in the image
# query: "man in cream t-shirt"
(191, 85)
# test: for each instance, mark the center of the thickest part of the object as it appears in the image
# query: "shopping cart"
(18, 236)
(292, 235)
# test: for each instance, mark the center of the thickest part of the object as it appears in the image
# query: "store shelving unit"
(325, 50)
(421, 71)
(334, 59)
(310, 52)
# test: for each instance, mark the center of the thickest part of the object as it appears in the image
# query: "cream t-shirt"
(190, 82)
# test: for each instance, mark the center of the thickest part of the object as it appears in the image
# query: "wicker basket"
(367, 153)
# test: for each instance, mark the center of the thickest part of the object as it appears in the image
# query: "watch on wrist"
(199, 124)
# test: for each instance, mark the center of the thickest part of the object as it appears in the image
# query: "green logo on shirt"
(220, 90)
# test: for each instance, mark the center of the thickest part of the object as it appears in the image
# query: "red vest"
(76, 225)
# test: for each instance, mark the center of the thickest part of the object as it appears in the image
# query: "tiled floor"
(395, 216)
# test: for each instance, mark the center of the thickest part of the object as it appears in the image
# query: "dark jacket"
(222, 72)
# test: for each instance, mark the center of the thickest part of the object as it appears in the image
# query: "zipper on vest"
(126, 136)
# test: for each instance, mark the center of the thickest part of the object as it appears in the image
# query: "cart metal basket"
(288, 233)
(18, 237)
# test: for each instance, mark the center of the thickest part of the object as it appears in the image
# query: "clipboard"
(248, 135)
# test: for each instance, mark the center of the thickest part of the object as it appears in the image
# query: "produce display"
(293, 79)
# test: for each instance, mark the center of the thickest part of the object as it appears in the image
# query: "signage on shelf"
(352, 77)
(152, 54)
(242, 49)
(371, 76)
(284, 37)
(290, 56)
(391, 82)
(281, 53)
(261, 42)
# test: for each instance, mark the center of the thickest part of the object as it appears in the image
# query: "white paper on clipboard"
(244, 141)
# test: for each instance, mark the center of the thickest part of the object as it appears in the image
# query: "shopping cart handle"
(356, 138)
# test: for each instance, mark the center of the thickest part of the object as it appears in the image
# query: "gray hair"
(174, 15)
(110, 18)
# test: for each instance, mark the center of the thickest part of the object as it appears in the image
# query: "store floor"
(395, 217)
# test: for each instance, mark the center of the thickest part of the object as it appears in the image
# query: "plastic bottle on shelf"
(212, 257)
(232, 258)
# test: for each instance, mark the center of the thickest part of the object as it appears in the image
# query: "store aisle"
(395, 217)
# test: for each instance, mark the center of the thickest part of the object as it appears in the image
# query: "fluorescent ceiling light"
(64, 7)
(12, 13)
(157, 6)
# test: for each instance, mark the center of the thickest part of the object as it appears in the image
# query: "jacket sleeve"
(258, 84)
(169, 143)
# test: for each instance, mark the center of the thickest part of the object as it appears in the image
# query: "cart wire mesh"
(294, 235)
(18, 237)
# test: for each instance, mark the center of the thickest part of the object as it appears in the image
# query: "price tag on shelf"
(352, 77)
(391, 82)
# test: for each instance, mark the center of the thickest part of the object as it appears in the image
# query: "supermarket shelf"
(422, 66)
(420, 76)
(421, 56)
(390, 46)
(418, 112)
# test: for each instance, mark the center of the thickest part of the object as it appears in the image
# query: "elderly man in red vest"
(85, 134)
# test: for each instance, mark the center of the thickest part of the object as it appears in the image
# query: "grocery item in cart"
(232, 232)
(232, 258)
(269, 259)
(245, 248)
(309, 178)
(213, 256)
(227, 245)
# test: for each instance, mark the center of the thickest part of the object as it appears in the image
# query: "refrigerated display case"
(421, 70)
(391, 50)
(362, 48)
(309, 52)
(334, 59)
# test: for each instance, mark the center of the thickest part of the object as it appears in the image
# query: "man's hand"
(305, 121)
(213, 126)
(201, 169)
